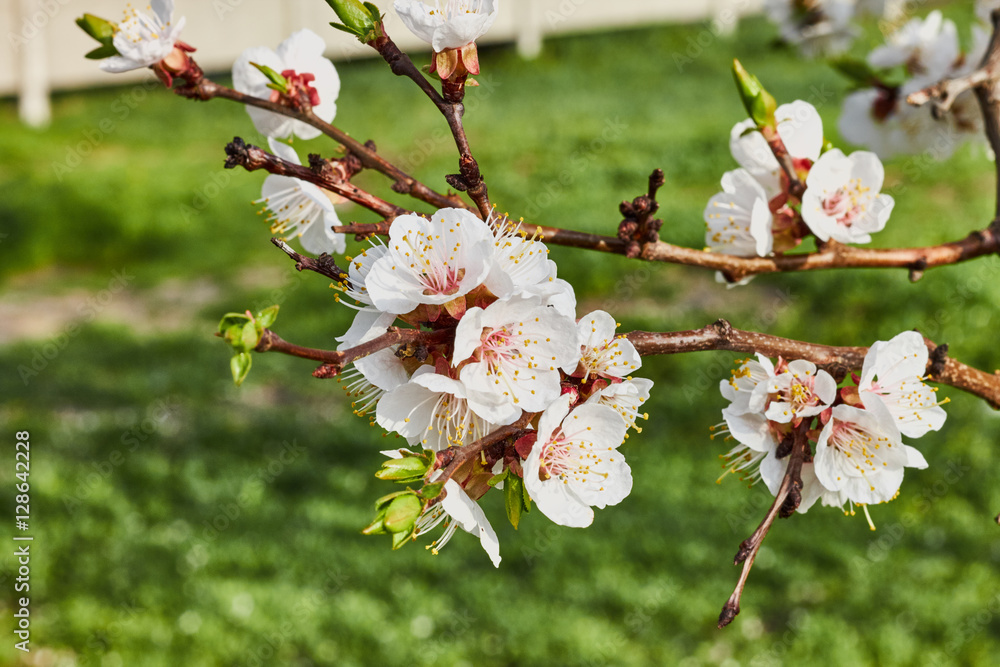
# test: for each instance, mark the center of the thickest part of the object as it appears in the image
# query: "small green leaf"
(360, 19)
(102, 51)
(100, 29)
(496, 479)
(376, 527)
(400, 539)
(240, 365)
(431, 491)
(512, 493)
(408, 469)
(384, 501)
(278, 82)
(249, 337)
(266, 317)
(402, 513)
(232, 319)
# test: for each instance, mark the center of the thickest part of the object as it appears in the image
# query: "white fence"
(45, 47)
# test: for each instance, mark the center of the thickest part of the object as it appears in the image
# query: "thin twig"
(323, 265)
(251, 158)
(469, 179)
(403, 183)
(751, 546)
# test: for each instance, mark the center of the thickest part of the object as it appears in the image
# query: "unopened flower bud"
(402, 513)
(363, 20)
(758, 102)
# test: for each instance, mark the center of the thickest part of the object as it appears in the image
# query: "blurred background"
(179, 520)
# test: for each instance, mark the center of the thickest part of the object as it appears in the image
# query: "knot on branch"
(638, 226)
(326, 372)
(237, 153)
(723, 328)
(938, 357)
(917, 269)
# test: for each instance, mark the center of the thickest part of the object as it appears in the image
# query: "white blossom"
(300, 207)
(450, 24)
(299, 55)
(431, 261)
(860, 455)
(799, 391)
(738, 219)
(456, 510)
(772, 472)
(512, 352)
(800, 129)
(842, 200)
(602, 352)
(144, 39)
(817, 27)
(575, 464)
(377, 373)
(431, 411)
(926, 47)
(625, 398)
(893, 371)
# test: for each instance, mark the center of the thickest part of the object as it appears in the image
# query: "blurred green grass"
(179, 520)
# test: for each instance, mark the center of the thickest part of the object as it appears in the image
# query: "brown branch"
(205, 89)
(469, 179)
(837, 360)
(335, 361)
(252, 158)
(323, 265)
(833, 255)
(791, 487)
(453, 458)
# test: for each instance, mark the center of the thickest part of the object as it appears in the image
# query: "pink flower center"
(848, 203)
(445, 280)
(298, 84)
(496, 346)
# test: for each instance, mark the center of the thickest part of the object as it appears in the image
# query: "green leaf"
(408, 469)
(513, 498)
(100, 29)
(232, 319)
(278, 82)
(101, 52)
(400, 539)
(402, 513)
(376, 527)
(240, 365)
(384, 501)
(855, 69)
(249, 337)
(496, 479)
(431, 491)
(266, 317)
(343, 28)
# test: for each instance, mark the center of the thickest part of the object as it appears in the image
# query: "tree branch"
(205, 89)
(252, 158)
(838, 361)
(323, 265)
(833, 255)
(453, 458)
(469, 179)
(791, 487)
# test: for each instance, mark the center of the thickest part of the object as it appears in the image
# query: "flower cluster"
(918, 54)
(758, 211)
(502, 346)
(856, 453)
